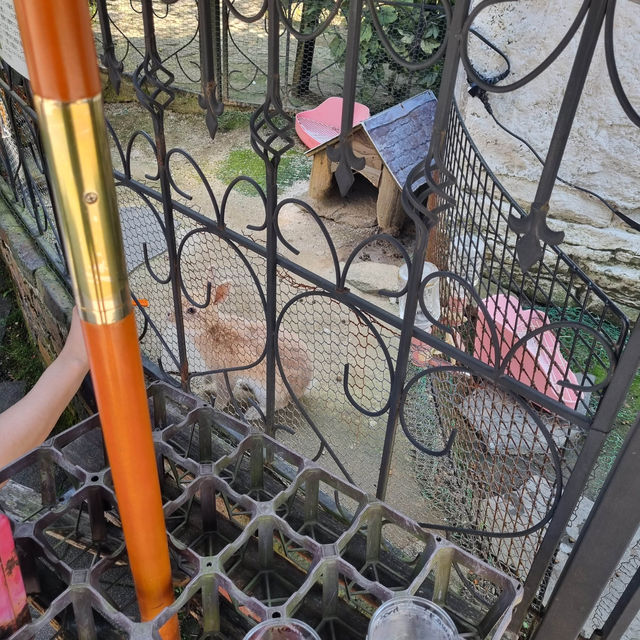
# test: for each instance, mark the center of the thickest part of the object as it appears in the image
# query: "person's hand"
(74, 351)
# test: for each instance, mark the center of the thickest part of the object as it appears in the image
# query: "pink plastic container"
(538, 362)
(319, 125)
(14, 611)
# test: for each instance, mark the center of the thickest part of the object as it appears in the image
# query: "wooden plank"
(438, 243)
(372, 175)
(389, 209)
(320, 180)
(363, 147)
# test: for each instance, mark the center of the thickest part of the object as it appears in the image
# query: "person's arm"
(28, 422)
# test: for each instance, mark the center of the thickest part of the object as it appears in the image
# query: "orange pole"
(61, 59)
(124, 414)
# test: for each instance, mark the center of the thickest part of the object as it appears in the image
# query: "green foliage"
(415, 33)
(294, 166)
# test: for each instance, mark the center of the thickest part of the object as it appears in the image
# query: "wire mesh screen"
(176, 29)
(579, 332)
(312, 63)
(500, 476)
(351, 383)
(496, 489)
(626, 570)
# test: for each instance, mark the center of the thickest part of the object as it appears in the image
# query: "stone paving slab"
(10, 393)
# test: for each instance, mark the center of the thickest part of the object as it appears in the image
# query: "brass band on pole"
(75, 142)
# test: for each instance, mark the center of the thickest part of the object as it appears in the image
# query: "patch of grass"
(613, 444)
(589, 354)
(585, 351)
(232, 119)
(631, 406)
(294, 166)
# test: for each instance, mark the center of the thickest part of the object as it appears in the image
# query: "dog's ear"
(222, 292)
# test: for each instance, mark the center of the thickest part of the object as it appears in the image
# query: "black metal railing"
(483, 418)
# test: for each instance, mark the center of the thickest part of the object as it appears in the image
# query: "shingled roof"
(402, 133)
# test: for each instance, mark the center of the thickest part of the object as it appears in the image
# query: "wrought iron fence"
(23, 165)
(312, 48)
(487, 424)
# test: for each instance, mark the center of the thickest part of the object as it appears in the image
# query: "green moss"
(294, 166)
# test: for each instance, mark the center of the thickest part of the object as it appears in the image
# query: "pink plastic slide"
(319, 125)
(539, 362)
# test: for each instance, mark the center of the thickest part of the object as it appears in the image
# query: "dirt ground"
(356, 438)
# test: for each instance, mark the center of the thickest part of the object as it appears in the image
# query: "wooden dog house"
(392, 142)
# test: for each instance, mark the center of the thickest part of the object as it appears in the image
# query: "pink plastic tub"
(14, 611)
(319, 125)
(538, 362)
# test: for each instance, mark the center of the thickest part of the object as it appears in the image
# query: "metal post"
(623, 613)
(533, 228)
(270, 137)
(109, 60)
(613, 522)
(602, 424)
(152, 72)
(343, 153)
(438, 140)
(208, 21)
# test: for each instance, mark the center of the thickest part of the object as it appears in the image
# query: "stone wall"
(603, 153)
(44, 300)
